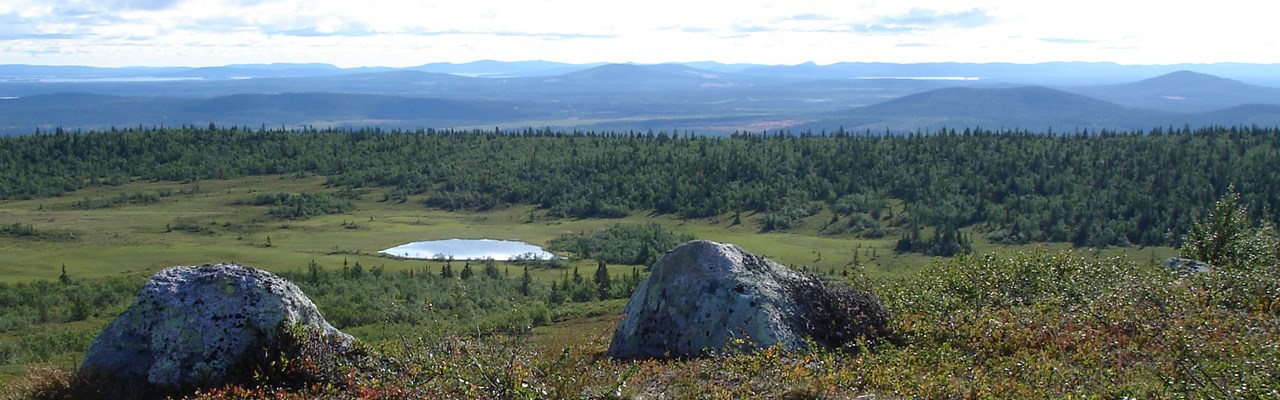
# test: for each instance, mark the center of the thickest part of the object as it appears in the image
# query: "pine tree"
(313, 271)
(634, 281)
(556, 296)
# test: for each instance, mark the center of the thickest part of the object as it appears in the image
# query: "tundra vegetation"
(1009, 310)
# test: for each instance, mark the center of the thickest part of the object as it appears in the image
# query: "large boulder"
(200, 327)
(705, 296)
(1179, 264)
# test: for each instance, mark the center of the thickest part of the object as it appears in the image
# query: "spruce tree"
(526, 281)
(466, 272)
(602, 281)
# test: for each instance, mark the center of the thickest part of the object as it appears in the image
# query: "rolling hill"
(1183, 91)
(1036, 109)
(1033, 108)
(1248, 114)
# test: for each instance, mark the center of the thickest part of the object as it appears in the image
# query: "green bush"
(628, 244)
(43, 302)
(18, 230)
(125, 198)
(1228, 238)
(298, 206)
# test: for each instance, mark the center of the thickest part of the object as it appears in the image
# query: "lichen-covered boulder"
(198, 327)
(705, 296)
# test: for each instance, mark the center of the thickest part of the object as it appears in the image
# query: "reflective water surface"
(469, 249)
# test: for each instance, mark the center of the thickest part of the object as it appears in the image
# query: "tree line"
(1089, 188)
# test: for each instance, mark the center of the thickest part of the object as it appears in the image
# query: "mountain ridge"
(1033, 108)
(1183, 91)
(93, 111)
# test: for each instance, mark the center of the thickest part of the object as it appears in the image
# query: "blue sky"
(405, 33)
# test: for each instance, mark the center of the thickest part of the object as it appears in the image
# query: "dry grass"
(40, 382)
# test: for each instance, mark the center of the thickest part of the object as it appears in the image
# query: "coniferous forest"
(1091, 189)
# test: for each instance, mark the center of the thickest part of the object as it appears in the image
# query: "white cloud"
(410, 32)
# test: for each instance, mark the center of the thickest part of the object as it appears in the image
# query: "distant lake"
(469, 249)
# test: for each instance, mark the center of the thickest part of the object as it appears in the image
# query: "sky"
(401, 33)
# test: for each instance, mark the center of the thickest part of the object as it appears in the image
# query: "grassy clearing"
(203, 226)
(197, 223)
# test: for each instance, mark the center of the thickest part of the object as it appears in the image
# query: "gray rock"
(197, 326)
(705, 296)
(1179, 264)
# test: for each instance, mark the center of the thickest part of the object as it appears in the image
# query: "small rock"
(705, 296)
(196, 327)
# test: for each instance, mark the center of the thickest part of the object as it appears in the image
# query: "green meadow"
(202, 222)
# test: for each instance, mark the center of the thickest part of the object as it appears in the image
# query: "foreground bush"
(1052, 325)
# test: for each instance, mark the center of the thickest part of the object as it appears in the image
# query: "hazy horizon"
(783, 64)
(201, 33)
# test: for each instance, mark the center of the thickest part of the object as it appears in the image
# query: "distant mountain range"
(1044, 74)
(697, 97)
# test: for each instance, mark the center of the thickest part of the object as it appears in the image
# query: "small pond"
(469, 249)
